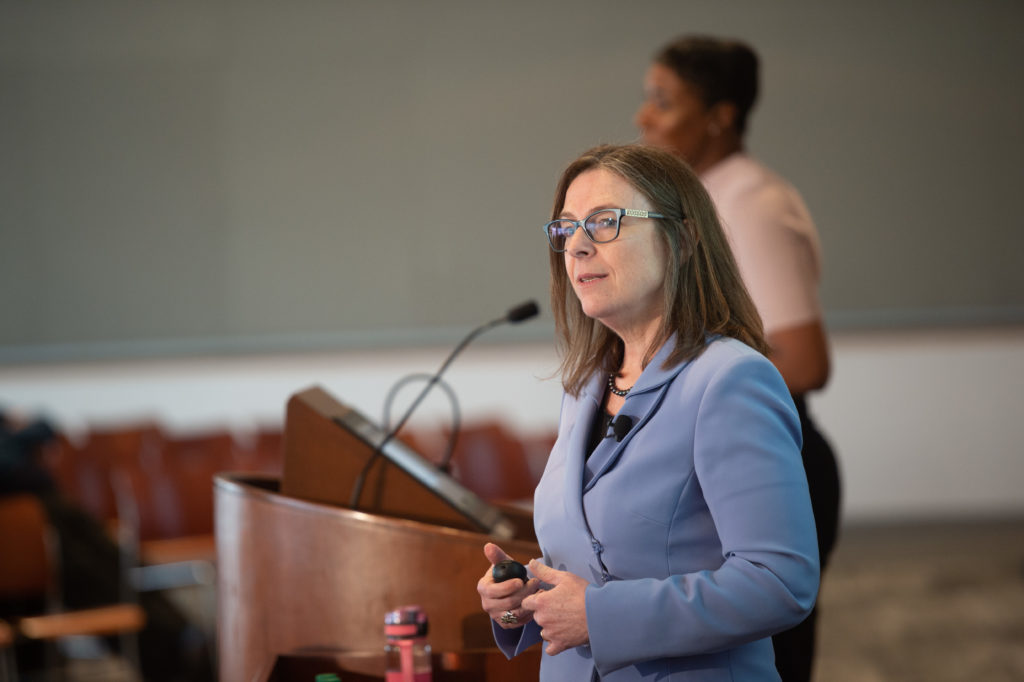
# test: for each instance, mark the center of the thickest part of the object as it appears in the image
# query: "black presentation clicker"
(508, 569)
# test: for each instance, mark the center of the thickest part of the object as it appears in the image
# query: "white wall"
(926, 423)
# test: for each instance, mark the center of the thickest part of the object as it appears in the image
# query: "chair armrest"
(104, 620)
(188, 548)
(6, 635)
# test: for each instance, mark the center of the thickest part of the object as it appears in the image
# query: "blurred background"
(207, 207)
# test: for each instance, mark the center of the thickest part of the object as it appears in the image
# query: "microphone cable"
(523, 311)
(453, 401)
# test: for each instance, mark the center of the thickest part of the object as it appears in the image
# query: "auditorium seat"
(28, 580)
(85, 472)
(490, 460)
(429, 443)
(261, 452)
(189, 464)
(7, 669)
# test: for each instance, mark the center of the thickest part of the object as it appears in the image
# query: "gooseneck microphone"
(523, 311)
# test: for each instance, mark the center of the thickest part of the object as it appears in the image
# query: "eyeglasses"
(600, 226)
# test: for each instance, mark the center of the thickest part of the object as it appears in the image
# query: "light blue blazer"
(695, 531)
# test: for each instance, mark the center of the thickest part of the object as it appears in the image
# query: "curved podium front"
(300, 576)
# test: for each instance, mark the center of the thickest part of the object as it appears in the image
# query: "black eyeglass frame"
(577, 224)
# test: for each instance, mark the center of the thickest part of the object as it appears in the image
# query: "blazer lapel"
(642, 402)
(576, 454)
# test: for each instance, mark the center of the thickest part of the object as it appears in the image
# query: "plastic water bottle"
(407, 653)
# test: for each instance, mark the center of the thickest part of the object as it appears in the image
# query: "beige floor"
(924, 602)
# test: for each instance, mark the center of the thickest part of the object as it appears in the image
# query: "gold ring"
(509, 618)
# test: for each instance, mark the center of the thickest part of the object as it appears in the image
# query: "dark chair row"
(157, 486)
(160, 485)
(489, 458)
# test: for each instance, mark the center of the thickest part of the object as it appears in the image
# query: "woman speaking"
(673, 513)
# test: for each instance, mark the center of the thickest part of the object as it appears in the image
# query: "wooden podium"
(297, 572)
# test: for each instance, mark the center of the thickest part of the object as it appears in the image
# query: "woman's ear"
(723, 118)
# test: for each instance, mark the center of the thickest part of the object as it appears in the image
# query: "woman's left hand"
(561, 611)
(503, 601)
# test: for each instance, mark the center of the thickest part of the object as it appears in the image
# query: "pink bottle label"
(396, 676)
(407, 674)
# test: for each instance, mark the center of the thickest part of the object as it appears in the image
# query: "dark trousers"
(794, 649)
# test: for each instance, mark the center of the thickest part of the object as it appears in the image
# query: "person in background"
(20, 469)
(673, 513)
(698, 94)
(170, 648)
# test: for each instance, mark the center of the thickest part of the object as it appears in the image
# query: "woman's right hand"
(500, 599)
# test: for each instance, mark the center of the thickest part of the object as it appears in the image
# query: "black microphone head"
(523, 311)
(621, 427)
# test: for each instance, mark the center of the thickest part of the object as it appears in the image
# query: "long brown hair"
(703, 292)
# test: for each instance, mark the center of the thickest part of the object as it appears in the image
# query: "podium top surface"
(266, 489)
